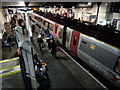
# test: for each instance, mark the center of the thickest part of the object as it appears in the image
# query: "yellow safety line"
(10, 68)
(7, 60)
(10, 73)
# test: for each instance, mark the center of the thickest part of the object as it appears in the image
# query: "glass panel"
(46, 24)
(60, 32)
(75, 40)
(67, 36)
(51, 27)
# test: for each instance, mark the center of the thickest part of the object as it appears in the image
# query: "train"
(97, 46)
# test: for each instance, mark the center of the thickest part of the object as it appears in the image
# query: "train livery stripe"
(101, 41)
(7, 60)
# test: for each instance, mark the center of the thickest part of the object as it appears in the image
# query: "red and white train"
(97, 46)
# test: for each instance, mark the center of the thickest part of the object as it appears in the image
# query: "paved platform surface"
(10, 81)
(63, 72)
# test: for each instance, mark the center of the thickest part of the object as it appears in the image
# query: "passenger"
(54, 46)
(9, 40)
(42, 32)
(40, 68)
(33, 28)
(37, 61)
(20, 22)
(40, 41)
(47, 33)
(49, 43)
(23, 27)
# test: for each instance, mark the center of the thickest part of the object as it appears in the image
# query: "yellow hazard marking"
(7, 60)
(10, 73)
(9, 68)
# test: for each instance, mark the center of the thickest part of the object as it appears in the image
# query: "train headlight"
(117, 67)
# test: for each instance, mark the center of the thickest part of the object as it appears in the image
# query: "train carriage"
(60, 30)
(97, 46)
(100, 56)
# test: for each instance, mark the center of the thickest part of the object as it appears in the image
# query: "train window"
(75, 40)
(117, 67)
(46, 24)
(51, 27)
(60, 32)
(67, 36)
(43, 22)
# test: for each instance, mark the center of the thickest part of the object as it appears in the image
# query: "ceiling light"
(73, 6)
(89, 3)
(61, 6)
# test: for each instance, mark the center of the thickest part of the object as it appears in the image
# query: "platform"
(64, 72)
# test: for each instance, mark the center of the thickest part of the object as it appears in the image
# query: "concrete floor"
(63, 72)
(13, 81)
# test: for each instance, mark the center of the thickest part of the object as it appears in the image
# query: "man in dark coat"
(54, 46)
(40, 41)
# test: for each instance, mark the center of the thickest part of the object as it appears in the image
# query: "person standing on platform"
(42, 32)
(40, 41)
(9, 40)
(49, 41)
(23, 27)
(33, 28)
(54, 46)
(37, 61)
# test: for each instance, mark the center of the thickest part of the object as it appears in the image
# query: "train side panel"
(55, 31)
(60, 33)
(68, 37)
(74, 42)
(100, 56)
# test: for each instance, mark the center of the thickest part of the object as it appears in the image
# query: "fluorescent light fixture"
(89, 3)
(61, 6)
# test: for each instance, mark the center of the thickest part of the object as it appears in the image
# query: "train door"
(68, 37)
(55, 31)
(74, 42)
(60, 33)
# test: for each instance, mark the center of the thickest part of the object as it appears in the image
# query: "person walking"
(40, 42)
(9, 40)
(37, 61)
(54, 46)
(49, 41)
(42, 32)
(33, 28)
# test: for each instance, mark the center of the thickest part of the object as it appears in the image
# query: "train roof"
(102, 33)
(56, 19)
